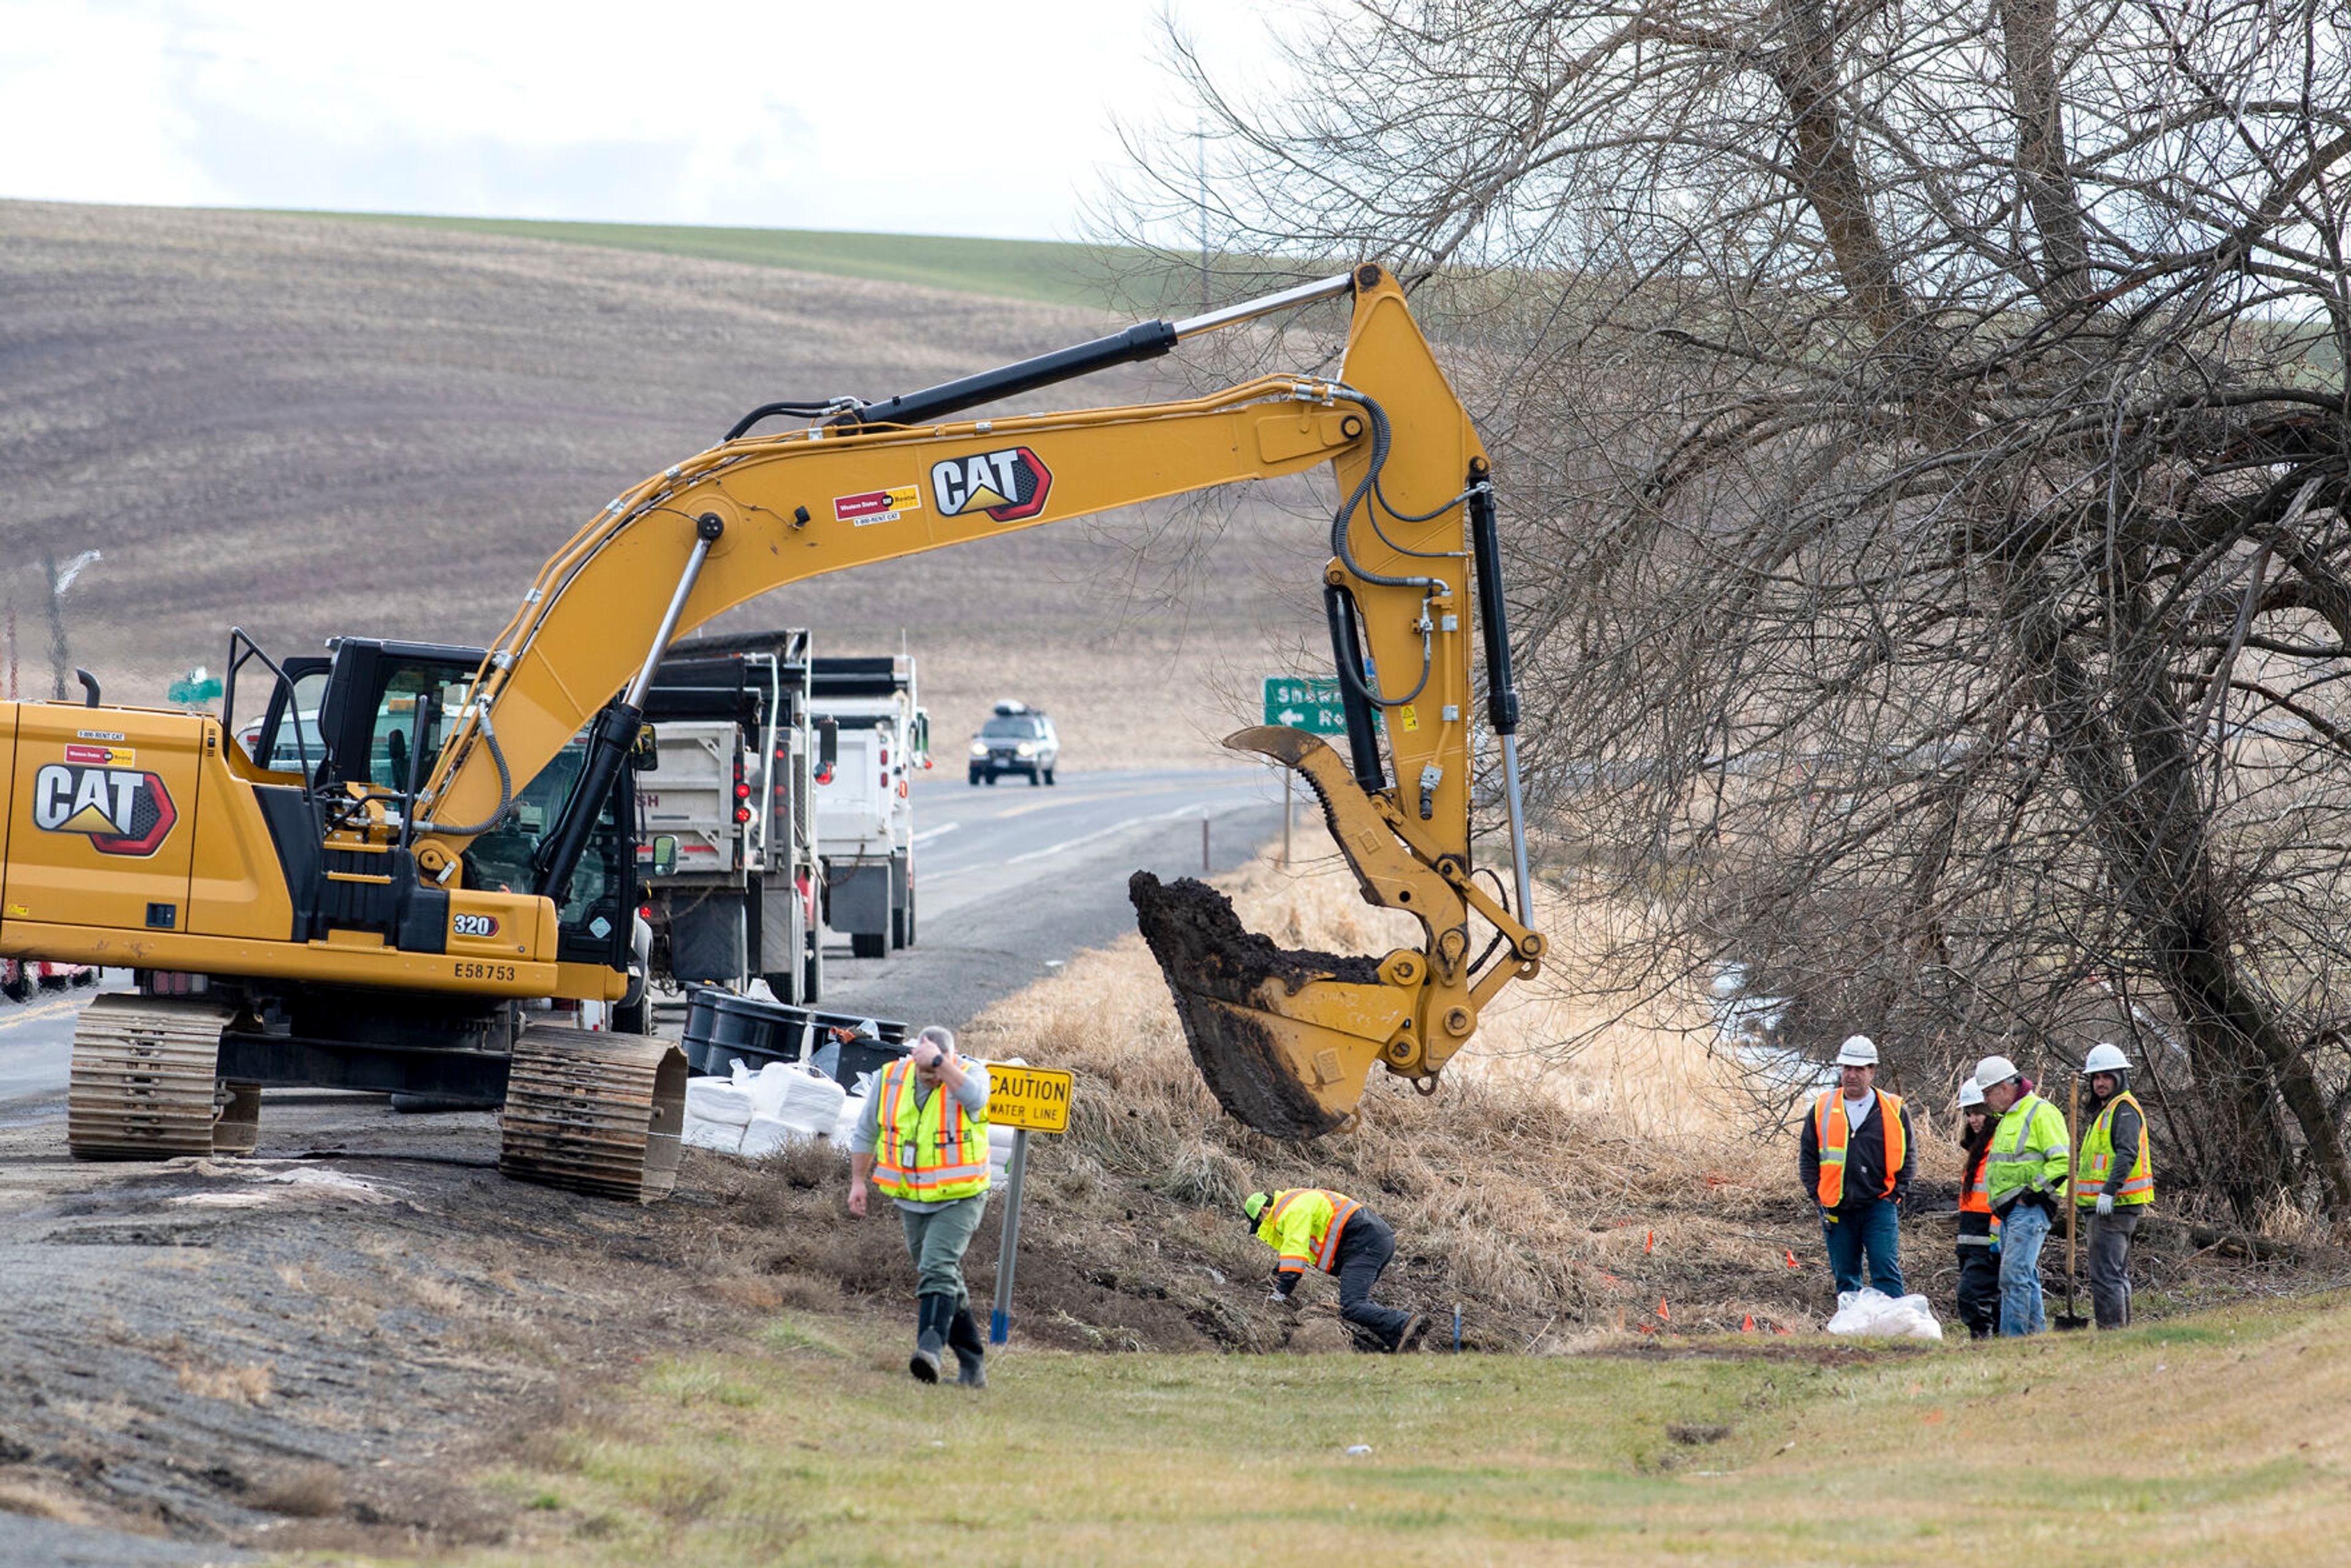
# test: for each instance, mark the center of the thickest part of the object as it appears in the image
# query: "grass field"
(309, 427)
(2216, 1440)
(1055, 273)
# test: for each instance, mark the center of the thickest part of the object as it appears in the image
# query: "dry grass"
(41, 1498)
(237, 1385)
(304, 1492)
(1543, 1189)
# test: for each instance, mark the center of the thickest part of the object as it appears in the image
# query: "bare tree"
(1926, 421)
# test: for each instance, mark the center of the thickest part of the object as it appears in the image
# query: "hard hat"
(1971, 1093)
(1995, 1070)
(1858, 1051)
(1254, 1205)
(2106, 1057)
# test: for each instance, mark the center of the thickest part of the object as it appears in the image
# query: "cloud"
(925, 116)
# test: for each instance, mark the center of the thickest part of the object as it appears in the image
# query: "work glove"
(2105, 1203)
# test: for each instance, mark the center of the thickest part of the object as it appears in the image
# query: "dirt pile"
(1216, 967)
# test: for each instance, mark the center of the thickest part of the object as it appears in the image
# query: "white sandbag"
(767, 1135)
(845, 1124)
(1875, 1315)
(718, 1099)
(702, 1133)
(804, 1097)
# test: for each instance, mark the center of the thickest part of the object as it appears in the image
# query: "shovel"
(2069, 1318)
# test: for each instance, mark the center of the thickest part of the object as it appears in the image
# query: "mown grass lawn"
(2220, 1440)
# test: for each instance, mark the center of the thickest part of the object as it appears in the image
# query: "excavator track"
(595, 1112)
(145, 1084)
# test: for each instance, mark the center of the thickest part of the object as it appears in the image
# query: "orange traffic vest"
(1829, 1127)
(1976, 1198)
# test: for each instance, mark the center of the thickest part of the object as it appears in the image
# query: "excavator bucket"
(1285, 1038)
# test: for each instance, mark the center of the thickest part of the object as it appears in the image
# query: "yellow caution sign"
(1033, 1099)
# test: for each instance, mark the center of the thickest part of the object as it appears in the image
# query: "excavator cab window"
(593, 912)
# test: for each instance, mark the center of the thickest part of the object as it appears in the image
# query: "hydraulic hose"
(506, 788)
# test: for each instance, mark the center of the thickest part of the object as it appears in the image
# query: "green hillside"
(1061, 274)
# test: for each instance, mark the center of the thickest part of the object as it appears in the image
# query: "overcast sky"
(918, 117)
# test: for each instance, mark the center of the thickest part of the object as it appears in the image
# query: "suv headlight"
(1026, 749)
(980, 749)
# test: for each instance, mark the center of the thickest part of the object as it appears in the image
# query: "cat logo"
(1009, 486)
(122, 810)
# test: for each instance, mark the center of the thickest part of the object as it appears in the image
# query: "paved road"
(1010, 880)
(37, 1041)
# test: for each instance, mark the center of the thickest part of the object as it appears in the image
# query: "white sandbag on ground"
(794, 1102)
(718, 1099)
(1875, 1315)
(701, 1132)
(766, 1134)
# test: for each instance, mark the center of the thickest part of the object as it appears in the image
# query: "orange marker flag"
(1650, 1242)
(1747, 1325)
(1791, 1260)
(1662, 1310)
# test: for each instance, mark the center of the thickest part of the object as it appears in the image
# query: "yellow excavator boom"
(1285, 1040)
(336, 919)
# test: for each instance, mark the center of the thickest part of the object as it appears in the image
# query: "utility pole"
(1200, 160)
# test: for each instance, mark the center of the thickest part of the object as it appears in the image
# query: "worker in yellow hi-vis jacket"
(1312, 1226)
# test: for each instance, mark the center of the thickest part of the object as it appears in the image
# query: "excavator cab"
(371, 719)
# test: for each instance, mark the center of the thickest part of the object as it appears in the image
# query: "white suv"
(1016, 738)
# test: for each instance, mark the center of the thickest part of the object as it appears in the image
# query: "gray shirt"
(972, 1097)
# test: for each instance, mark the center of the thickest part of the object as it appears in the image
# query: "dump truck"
(390, 914)
(727, 816)
(865, 806)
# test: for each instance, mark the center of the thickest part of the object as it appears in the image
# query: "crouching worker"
(1979, 1226)
(922, 1139)
(1307, 1227)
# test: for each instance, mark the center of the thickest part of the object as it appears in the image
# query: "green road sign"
(196, 687)
(1310, 702)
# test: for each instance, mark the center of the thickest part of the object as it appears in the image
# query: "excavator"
(398, 878)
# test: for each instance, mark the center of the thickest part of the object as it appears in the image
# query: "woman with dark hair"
(1979, 1226)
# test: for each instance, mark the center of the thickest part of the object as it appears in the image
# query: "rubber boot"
(971, 1351)
(932, 1315)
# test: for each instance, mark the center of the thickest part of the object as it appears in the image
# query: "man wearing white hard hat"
(1979, 1226)
(2024, 1181)
(1856, 1160)
(2115, 1183)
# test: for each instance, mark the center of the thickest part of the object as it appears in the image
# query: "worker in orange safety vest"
(1855, 1159)
(1979, 1226)
(1311, 1227)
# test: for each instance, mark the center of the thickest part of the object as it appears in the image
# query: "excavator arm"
(1285, 1039)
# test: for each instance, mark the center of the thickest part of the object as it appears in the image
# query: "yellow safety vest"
(1304, 1225)
(2029, 1153)
(2099, 1158)
(933, 1150)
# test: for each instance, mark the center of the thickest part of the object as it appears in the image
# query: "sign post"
(1026, 1099)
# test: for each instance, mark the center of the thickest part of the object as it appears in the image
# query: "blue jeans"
(1865, 1226)
(2021, 1236)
